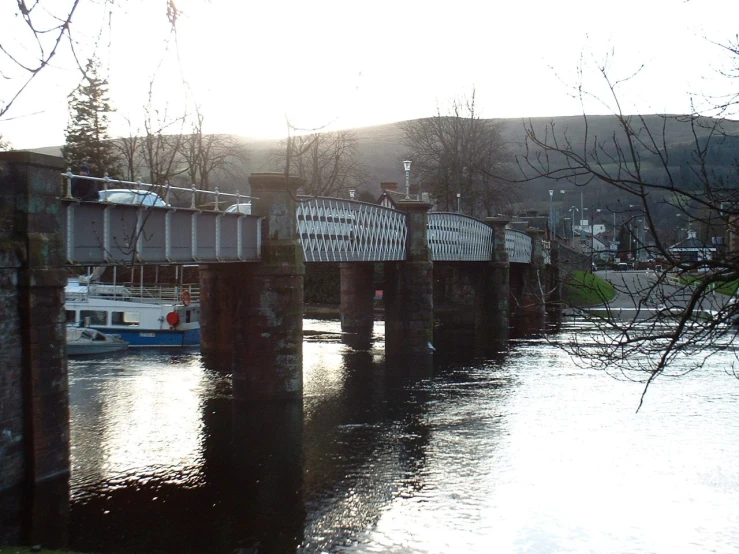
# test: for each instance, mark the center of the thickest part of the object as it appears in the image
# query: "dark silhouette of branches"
(328, 161)
(687, 311)
(40, 32)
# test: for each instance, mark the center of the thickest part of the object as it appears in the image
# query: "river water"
(522, 452)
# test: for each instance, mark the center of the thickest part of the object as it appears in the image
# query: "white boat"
(84, 341)
(160, 315)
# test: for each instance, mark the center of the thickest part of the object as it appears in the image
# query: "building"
(692, 249)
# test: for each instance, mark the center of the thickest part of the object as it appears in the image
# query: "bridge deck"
(330, 230)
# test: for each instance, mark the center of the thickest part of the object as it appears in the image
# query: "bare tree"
(688, 311)
(460, 154)
(129, 150)
(162, 143)
(40, 31)
(329, 162)
(205, 155)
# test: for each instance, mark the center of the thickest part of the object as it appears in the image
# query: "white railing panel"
(518, 246)
(457, 237)
(336, 230)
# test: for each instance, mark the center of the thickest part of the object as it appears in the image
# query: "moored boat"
(86, 341)
(160, 315)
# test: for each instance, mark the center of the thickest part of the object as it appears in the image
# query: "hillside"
(382, 151)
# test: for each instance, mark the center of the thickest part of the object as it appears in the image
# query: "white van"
(244, 208)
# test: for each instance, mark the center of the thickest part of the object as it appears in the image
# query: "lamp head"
(407, 165)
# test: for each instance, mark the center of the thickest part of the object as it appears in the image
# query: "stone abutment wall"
(34, 400)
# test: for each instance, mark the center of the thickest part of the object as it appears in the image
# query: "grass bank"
(585, 289)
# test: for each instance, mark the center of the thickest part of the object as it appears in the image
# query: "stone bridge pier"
(252, 313)
(408, 292)
(357, 309)
(530, 294)
(473, 297)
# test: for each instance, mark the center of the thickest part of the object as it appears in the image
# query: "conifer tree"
(87, 138)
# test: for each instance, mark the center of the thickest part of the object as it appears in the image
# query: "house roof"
(692, 243)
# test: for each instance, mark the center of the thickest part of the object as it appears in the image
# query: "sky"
(328, 64)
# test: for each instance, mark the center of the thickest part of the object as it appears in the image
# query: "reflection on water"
(517, 452)
(139, 413)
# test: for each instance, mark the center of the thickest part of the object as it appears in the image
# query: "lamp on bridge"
(351, 193)
(407, 167)
(459, 202)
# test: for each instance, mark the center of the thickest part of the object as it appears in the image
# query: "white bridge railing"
(335, 230)
(454, 236)
(518, 246)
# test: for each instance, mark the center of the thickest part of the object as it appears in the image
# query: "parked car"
(244, 208)
(130, 196)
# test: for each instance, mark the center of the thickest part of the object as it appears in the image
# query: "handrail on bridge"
(156, 189)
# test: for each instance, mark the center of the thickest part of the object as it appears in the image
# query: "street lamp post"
(459, 203)
(407, 167)
(562, 191)
(678, 234)
(572, 210)
(551, 221)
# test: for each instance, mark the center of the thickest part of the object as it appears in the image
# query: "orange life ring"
(186, 298)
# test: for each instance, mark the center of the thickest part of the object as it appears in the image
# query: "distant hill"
(382, 150)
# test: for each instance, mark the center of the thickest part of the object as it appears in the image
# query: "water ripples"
(523, 452)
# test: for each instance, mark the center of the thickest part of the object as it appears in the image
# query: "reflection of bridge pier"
(359, 438)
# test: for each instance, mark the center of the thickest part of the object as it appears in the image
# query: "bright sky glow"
(330, 62)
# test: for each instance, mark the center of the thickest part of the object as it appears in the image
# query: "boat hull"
(159, 337)
(93, 349)
(83, 341)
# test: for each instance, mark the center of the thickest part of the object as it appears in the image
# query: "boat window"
(188, 317)
(93, 317)
(125, 318)
(71, 316)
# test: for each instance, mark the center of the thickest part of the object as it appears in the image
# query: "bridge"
(329, 230)
(251, 273)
